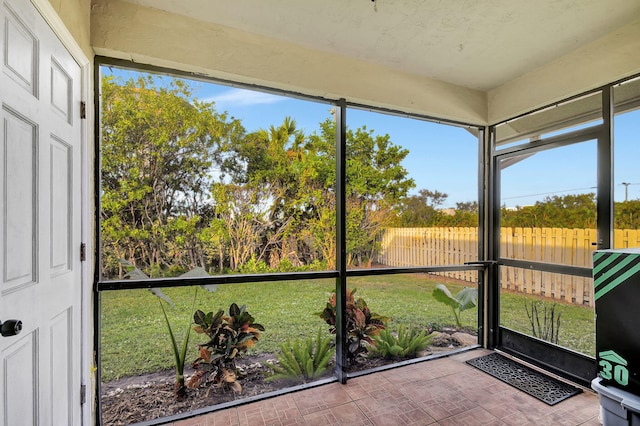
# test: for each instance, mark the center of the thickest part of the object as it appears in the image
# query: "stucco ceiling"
(475, 44)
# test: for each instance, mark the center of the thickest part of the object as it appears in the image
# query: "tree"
(467, 206)
(281, 164)
(298, 173)
(376, 182)
(465, 215)
(159, 147)
(627, 214)
(421, 210)
(568, 211)
(185, 186)
(243, 223)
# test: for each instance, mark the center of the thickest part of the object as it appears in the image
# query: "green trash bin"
(616, 275)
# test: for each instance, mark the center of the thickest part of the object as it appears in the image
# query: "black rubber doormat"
(545, 388)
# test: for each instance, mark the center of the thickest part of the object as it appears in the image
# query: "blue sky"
(434, 149)
(441, 157)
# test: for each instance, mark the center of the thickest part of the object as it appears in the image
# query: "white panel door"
(40, 281)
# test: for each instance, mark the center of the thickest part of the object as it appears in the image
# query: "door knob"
(10, 327)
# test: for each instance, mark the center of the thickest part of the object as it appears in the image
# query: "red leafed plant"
(361, 324)
(230, 336)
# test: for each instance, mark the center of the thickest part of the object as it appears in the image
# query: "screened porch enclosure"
(291, 176)
(254, 215)
(348, 172)
(299, 215)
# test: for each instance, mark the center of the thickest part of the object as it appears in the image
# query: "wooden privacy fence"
(404, 247)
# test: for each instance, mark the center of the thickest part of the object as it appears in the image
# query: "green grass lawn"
(134, 337)
(577, 323)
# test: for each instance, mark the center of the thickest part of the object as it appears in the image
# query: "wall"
(76, 16)
(151, 36)
(603, 61)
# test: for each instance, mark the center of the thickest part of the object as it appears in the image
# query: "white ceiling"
(478, 44)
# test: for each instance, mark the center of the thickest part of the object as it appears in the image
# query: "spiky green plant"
(303, 359)
(179, 354)
(406, 344)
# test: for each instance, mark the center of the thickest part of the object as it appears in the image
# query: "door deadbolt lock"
(10, 327)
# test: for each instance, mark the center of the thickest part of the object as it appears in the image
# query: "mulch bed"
(151, 396)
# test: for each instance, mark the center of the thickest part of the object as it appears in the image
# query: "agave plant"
(303, 359)
(230, 336)
(406, 344)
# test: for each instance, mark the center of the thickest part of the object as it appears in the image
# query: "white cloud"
(243, 98)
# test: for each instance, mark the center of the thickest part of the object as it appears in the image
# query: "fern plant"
(407, 344)
(306, 360)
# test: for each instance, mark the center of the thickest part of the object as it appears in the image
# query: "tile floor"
(444, 391)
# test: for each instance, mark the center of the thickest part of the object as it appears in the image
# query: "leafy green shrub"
(361, 324)
(466, 298)
(229, 338)
(254, 266)
(406, 344)
(306, 360)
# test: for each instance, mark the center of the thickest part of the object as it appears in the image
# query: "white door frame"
(87, 376)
